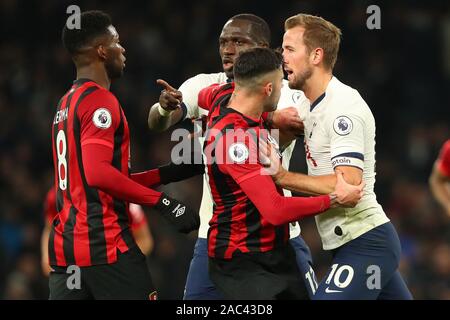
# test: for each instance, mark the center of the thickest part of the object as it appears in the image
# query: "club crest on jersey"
(238, 152)
(296, 96)
(102, 118)
(343, 125)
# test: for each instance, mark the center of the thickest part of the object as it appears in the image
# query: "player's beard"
(299, 81)
(229, 73)
(113, 69)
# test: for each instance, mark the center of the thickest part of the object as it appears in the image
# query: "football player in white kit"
(240, 32)
(340, 134)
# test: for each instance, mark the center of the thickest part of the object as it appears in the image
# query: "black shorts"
(259, 276)
(127, 278)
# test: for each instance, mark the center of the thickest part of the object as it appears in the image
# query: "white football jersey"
(190, 89)
(340, 130)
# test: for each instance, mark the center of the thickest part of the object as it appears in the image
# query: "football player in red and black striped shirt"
(139, 228)
(91, 155)
(250, 256)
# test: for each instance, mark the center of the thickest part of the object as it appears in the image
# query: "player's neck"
(317, 84)
(95, 73)
(248, 105)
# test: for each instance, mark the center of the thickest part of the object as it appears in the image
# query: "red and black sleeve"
(261, 189)
(100, 118)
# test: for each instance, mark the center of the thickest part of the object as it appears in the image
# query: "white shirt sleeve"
(347, 136)
(190, 89)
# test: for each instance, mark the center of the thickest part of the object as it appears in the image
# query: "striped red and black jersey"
(91, 225)
(137, 214)
(231, 157)
(443, 162)
(211, 97)
(50, 205)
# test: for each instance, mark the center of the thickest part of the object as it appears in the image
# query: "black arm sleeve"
(172, 172)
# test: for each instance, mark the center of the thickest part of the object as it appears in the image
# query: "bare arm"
(159, 123)
(277, 209)
(348, 191)
(144, 239)
(325, 184)
(303, 183)
(44, 249)
(439, 185)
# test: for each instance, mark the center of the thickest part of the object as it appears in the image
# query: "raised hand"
(269, 158)
(170, 98)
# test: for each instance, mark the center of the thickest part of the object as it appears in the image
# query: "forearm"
(288, 209)
(44, 242)
(102, 175)
(150, 178)
(302, 183)
(45, 264)
(172, 172)
(144, 239)
(159, 123)
(277, 209)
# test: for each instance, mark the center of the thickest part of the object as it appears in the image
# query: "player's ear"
(268, 88)
(101, 51)
(316, 56)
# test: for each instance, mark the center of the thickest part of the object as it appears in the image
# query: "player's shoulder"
(220, 89)
(205, 79)
(338, 91)
(100, 104)
(100, 95)
(238, 129)
(233, 121)
(344, 99)
(208, 96)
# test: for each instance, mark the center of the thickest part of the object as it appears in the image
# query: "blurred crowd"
(401, 70)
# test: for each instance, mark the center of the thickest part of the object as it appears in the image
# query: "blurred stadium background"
(402, 70)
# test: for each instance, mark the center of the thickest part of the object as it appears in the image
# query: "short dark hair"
(261, 30)
(256, 62)
(93, 24)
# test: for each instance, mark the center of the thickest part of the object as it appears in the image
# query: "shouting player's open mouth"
(289, 73)
(227, 63)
